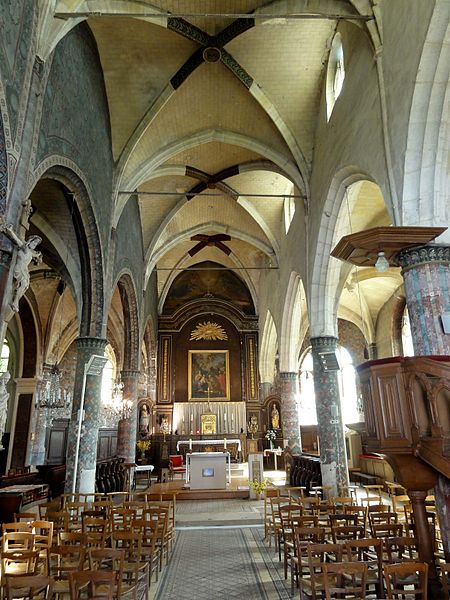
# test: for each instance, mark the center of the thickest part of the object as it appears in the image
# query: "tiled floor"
(220, 554)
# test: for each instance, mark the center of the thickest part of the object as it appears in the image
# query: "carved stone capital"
(326, 343)
(288, 376)
(413, 257)
(92, 343)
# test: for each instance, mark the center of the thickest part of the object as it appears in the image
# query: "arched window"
(289, 212)
(351, 407)
(407, 342)
(4, 357)
(108, 376)
(335, 74)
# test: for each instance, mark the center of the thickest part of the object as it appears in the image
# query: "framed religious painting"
(208, 375)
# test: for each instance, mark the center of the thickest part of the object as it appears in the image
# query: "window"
(351, 406)
(407, 342)
(335, 74)
(289, 212)
(4, 358)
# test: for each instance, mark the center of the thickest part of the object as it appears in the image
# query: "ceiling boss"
(208, 331)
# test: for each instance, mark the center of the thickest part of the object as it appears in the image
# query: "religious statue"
(275, 417)
(4, 397)
(144, 420)
(253, 426)
(26, 252)
(164, 427)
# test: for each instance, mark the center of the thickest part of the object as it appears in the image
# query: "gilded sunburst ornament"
(209, 331)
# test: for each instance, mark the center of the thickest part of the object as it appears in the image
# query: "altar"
(208, 470)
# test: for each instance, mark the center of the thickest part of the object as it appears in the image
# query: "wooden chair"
(270, 493)
(312, 583)
(135, 565)
(43, 539)
(403, 548)
(71, 538)
(287, 513)
(148, 530)
(343, 519)
(92, 585)
(52, 506)
(361, 513)
(18, 541)
(112, 560)
(370, 551)
(18, 562)
(60, 520)
(384, 517)
(97, 531)
(29, 586)
(16, 526)
(406, 580)
(345, 580)
(24, 517)
(303, 536)
(63, 561)
(342, 534)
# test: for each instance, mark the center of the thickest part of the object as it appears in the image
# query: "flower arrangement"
(258, 486)
(143, 445)
(271, 435)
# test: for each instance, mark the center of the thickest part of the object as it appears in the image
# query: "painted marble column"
(442, 495)
(333, 456)
(426, 273)
(87, 457)
(127, 430)
(289, 414)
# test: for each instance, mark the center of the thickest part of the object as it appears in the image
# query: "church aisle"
(221, 563)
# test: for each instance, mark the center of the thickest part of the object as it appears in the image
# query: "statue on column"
(4, 397)
(275, 417)
(26, 253)
(144, 421)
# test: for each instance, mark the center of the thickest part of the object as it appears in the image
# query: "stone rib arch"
(93, 303)
(428, 143)
(128, 296)
(154, 255)
(146, 169)
(291, 324)
(269, 345)
(322, 299)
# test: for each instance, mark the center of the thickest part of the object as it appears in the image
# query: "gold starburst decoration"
(209, 331)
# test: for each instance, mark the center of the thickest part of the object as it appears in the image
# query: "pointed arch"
(128, 296)
(269, 346)
(293, 315)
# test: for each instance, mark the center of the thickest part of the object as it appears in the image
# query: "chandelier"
(117, 405)
(51, 393)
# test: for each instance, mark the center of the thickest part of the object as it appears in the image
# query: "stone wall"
(75, 120)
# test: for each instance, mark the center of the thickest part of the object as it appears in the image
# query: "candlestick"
(190, 444)
(225, 416)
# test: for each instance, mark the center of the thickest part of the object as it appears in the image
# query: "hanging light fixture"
(382, 263)
(117, 405)
(51, 394)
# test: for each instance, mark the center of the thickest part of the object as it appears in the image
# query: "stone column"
(87, 456)
(127, 430)
(333, 456)
(289, 413)
(426, 273)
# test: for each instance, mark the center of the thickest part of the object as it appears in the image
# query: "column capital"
(323, 343)
(91, 343)
(413, 257)
(288, 375)
(130, 374)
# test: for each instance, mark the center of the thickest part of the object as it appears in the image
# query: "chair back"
(29, 586)
(92, 584)
(406, 580)
(345, 580)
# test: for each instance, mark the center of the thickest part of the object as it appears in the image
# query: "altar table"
(224, 441)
